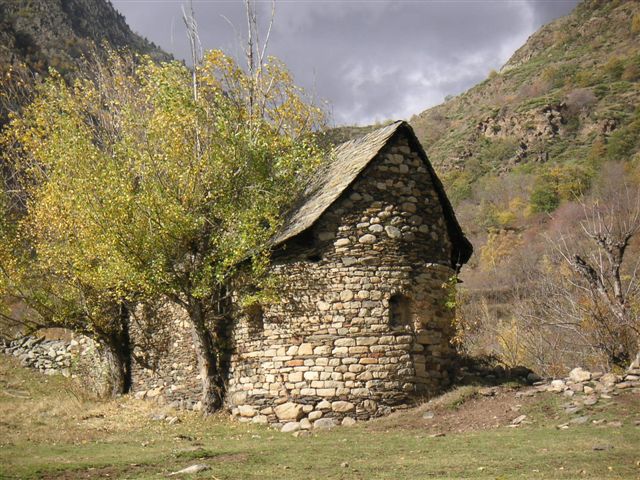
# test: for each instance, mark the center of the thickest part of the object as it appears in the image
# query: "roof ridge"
(346, 162)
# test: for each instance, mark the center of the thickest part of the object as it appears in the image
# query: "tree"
(610, 225)
(142, 184)
(33, 295)
(37, 294)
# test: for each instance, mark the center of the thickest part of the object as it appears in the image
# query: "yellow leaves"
(511, 343)
(135, 187)
(513, 212)
(499, 246)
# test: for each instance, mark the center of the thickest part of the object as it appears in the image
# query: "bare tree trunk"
(208, 355)
(118, 376)
(611, 222)
(117, 355)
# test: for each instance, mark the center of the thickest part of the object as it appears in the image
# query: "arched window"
(399, 311)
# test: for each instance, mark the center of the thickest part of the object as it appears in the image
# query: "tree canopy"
(142, 181)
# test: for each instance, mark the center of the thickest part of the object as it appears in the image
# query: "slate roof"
(347, 161)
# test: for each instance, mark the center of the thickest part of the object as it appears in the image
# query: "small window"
(399, 311)
(255, 318)
(314, 258)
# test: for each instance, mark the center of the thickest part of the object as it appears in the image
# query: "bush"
(601, 91)
(624, 141)
(552, 76)
(458, 186)
(544, 198)
(580, 99)
(562, 182)
(631, 73)
(496, 151)
(499, 247)
(614, 68)
(635, 23)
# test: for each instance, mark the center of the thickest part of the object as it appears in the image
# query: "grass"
(58, 434)
(455, 398)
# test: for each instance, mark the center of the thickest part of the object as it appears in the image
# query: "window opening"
(255, 316)
(399, 311)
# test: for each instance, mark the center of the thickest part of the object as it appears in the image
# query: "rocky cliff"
(54, 33)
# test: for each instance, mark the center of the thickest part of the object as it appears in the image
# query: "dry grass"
(50, 431)
(41, 408)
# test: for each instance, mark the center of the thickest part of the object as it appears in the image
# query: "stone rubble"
(586, 388)
(50, 357)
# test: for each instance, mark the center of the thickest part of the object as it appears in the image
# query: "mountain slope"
(560, 119)
(565, 102)
(55, 32)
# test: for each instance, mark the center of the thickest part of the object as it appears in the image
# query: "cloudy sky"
(372, 60)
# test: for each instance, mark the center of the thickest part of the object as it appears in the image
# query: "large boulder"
(289, 412)
(579, 375)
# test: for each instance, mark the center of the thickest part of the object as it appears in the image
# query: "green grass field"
(49, 430)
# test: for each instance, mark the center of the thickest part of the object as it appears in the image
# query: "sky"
(370, 60)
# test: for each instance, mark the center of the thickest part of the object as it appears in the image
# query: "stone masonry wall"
(75, 356)
(164, 364)
(361, 326)
(51, 357)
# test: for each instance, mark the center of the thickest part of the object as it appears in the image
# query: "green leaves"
(139, 188)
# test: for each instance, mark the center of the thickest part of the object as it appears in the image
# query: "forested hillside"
(543, 125)
(36, 35)
(549, 142)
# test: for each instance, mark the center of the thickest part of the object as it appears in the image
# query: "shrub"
(635, 23)
(499, 247)
(496, 151)
(631, 73)
(597, 153)
(544, 198)
(552, 76)
(458, 185)
(624, 141)
(585, 78)
(562, 182)
(614, 68)
(580, 99)
(601, 91)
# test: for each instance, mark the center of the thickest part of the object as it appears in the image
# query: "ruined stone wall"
(50, 356)
(164, 363)
(71, 355)
(361, 326)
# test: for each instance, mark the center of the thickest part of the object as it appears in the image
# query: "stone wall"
(48, 356)
(76, 357)
(164, 363)
(361, 325)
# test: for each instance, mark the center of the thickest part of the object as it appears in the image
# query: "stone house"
(361, 326)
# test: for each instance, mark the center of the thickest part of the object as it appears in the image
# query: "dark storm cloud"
(372, 60)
